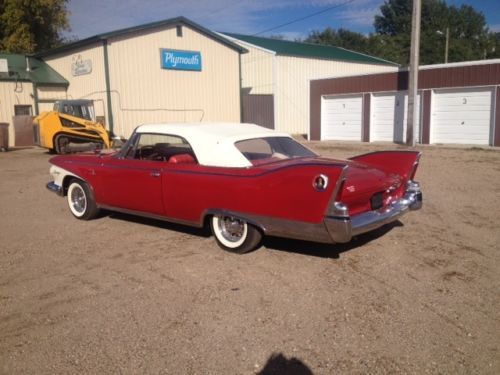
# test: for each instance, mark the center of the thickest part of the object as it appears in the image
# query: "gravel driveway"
(127, 295)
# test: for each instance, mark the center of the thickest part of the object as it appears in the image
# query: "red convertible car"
(243, 180)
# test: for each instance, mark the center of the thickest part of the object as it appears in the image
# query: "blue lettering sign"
(180, 60)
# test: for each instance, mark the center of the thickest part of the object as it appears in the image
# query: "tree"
(340, 38)
(28, 26)
(469, 39)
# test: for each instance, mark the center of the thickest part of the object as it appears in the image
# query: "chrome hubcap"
(231, 229)
(78, 200)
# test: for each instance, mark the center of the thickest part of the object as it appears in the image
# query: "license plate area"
(377, 201)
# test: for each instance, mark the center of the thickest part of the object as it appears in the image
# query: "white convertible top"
(213, 143)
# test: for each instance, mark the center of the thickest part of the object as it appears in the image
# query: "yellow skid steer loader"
(70, 127)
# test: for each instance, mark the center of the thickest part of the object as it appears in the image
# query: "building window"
(179, 31)
(23, 110)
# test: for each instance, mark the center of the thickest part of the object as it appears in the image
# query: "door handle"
(155, 174)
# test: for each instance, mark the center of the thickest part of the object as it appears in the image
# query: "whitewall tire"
(81, 200)
(234, 235)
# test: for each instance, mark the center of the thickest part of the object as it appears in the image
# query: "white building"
(168, 71)
(22, 80)
(276, 75)
(457, 103)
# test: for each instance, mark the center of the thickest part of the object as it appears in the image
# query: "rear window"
(271, 149)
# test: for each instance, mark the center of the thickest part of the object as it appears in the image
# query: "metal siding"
(292, 92)
(259, 109)
(11, 94)
(487, 74)
(87, 86)
(45, 107)
(51, 93)
(426, 116)
(142, 92)
(257, 71)
(367, 103)
(479, 75)
(462, 116)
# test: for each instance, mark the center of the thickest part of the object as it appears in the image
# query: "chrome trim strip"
(415, 166)
(55, 188)
(298, 230)
(151, 216)
(339, 229)
(331, 209)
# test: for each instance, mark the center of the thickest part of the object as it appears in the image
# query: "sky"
(92, 17)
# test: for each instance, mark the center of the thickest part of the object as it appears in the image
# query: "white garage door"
(462, 116)
(341, 117)
(389, 116)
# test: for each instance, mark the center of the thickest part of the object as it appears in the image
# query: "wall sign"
(180, 60)
(80, 67)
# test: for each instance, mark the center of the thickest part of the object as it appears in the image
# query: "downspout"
(108, 84)
(35, 98)
(241, 88)
(35, 88)
(275, 91)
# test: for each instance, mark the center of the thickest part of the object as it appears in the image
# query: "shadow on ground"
(17, 148)
(202, 232)
(273, 243)
(326, 250)
(278, 364)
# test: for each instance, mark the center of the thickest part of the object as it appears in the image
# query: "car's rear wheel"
(81, 200)
(234, 235)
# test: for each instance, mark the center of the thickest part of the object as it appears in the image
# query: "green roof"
(145, 27)
(40, 72)
(298, 49)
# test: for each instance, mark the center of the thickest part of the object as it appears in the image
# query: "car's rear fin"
(335, 206)
(403, 163)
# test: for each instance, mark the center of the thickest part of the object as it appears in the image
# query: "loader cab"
(79, 108)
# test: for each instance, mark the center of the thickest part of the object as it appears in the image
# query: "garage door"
(462, 116)
(341, 118)
(389, 116)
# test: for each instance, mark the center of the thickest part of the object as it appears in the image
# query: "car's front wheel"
(81, 200)
(234, 235)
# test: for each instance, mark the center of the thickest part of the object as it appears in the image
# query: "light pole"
(447, 45)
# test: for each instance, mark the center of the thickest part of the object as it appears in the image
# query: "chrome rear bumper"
(342, 229)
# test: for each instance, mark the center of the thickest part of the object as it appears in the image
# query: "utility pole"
(413, 72)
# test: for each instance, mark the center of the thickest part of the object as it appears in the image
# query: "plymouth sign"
(180, 60)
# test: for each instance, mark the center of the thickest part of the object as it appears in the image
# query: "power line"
(305, 17)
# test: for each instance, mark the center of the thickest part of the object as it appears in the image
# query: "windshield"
(271, 149)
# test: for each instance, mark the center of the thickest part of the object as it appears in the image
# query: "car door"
(132, 185)
(132, 180)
